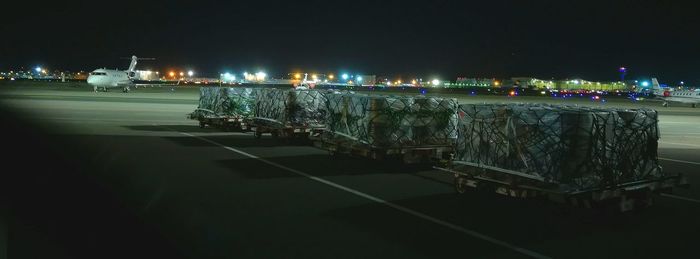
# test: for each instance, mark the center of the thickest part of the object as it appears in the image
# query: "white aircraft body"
(112, 78)
(669, 95)
(305, 84)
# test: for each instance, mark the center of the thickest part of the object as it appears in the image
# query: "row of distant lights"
(259, 76)
(172, 73)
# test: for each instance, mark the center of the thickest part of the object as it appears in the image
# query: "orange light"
(496, 83)
(512, 93)
(172, 73)
(297, 76)
(330, 76)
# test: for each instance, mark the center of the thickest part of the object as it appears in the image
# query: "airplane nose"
(91, 80)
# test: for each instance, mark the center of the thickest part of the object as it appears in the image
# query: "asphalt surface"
(113, 175)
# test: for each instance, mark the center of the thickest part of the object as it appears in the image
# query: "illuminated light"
(297, 76)
(436, 82)
(496, 83)
(190, 73)
(38, 69)
(543, 92)
(314, 77)
(345, 76)
(388, 83)
(413, 81)
(260, 76)
(182, 73)
(172, 73)
(512, 93)
(359, 78)
(645, 83)
(330, 76)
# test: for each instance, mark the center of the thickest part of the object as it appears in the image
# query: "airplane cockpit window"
(98, 74)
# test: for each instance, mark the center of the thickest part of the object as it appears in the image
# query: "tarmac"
(115, 175)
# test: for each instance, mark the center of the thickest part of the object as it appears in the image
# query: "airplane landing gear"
(126, 89)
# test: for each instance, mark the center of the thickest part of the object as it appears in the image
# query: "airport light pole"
(623, 72)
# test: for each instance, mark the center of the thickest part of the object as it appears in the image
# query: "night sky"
(547, 39)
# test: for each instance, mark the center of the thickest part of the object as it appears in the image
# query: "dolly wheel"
(461, 184)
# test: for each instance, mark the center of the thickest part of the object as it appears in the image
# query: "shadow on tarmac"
(60, 209)
(317, 165)
(239, 141)
(538, 225)
(172, 128)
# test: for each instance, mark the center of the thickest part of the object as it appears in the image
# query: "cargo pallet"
(260, 126)
(435, 154)
(224, 122)
(621, 197)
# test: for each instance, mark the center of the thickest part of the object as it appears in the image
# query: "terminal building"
(538, 84)
(146, 75)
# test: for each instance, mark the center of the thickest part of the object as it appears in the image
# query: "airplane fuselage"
(107, 78)
(681, 96)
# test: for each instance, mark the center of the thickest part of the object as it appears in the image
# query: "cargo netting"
(282, 107)
(574, 147)
(389, 121)
(226, 101)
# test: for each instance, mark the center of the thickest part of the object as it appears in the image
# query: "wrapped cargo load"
(227, 101)
(388, 121)
(292, 107)
(574, 147)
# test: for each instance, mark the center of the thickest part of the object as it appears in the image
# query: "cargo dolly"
(621, 197)
(277, 129)
(224, 122)
(421, 154)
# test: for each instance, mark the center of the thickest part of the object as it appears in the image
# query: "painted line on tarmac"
(679, 161)
(679, 144)
(680, 197)
(378, 200)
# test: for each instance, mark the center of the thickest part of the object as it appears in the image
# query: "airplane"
(668, 95)
(305, 84)
(112, 78)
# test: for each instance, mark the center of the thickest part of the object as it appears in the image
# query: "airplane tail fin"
(132, 66)
(655, 86)
(135, 60)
